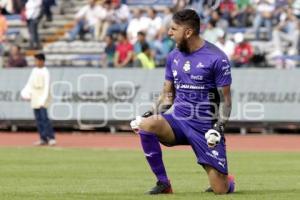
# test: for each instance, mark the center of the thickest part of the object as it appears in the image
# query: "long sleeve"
(26, 91)
(39, 84)
(46, 89)
(82, 12)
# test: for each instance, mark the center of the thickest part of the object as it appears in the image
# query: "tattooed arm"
(213, 136)
(163, 103)
(165, 99)
(224, 108)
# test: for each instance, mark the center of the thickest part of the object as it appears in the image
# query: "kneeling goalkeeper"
(197, 85)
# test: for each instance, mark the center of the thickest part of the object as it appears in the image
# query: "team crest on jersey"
(187, 66)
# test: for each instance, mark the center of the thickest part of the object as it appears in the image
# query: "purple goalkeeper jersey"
(196, 77)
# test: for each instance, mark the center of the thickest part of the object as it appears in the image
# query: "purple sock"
(231, 187)
(153, 154)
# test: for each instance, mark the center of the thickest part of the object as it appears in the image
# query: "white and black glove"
(135, 124)
(138, 119)
(213, 136)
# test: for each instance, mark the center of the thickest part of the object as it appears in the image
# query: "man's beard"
(183, 46)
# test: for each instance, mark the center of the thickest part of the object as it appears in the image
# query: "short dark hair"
(145, 46)
(123, 33)
(212, 22)
(142, 33)
(110, 36)
(40, 56)
(188, 17)
(153, 10)
(17, 46)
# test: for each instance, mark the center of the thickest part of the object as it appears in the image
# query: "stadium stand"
(230, 16)
(232, 23)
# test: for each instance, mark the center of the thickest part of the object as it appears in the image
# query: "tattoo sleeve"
(165, 99)
(225, 104)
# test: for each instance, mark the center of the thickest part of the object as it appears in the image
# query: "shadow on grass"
(240, 194)
(245, 192)
(266, 191)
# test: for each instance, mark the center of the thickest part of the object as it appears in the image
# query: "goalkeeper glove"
(213, 136)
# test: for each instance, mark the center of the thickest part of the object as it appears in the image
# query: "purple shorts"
(188, 133)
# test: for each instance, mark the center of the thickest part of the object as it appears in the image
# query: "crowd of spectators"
(111, 21)
(138, 36)
(228, 25)
(30, 12)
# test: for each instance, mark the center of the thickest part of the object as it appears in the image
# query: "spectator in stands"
(242, 4)
(136, 24)
(167, 19)
(47, 4)
(162, 46)
(156, 47)
(18, 6)
(212, 32)
(296, 8)
(141, 39)
(220, 22)
(37, 90)
(7, 7)
(244, 13)
(121, 16)
(287, 30)
(16, 57)
(103, 24)
(124, 52)
(3, 27)
(228, 10)
(197, 5)
(154, 24)
(145, 59)
(243, 52)
(282, 3)
(180, 4)
(32, 13)
(3, 30)
(225, 45)
(109, 50)
(264, 15)
(86, 20)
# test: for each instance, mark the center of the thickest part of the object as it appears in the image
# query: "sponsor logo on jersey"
(197, 77)
(200, 65)
(189, 87)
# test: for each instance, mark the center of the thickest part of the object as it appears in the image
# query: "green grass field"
(54, 173)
